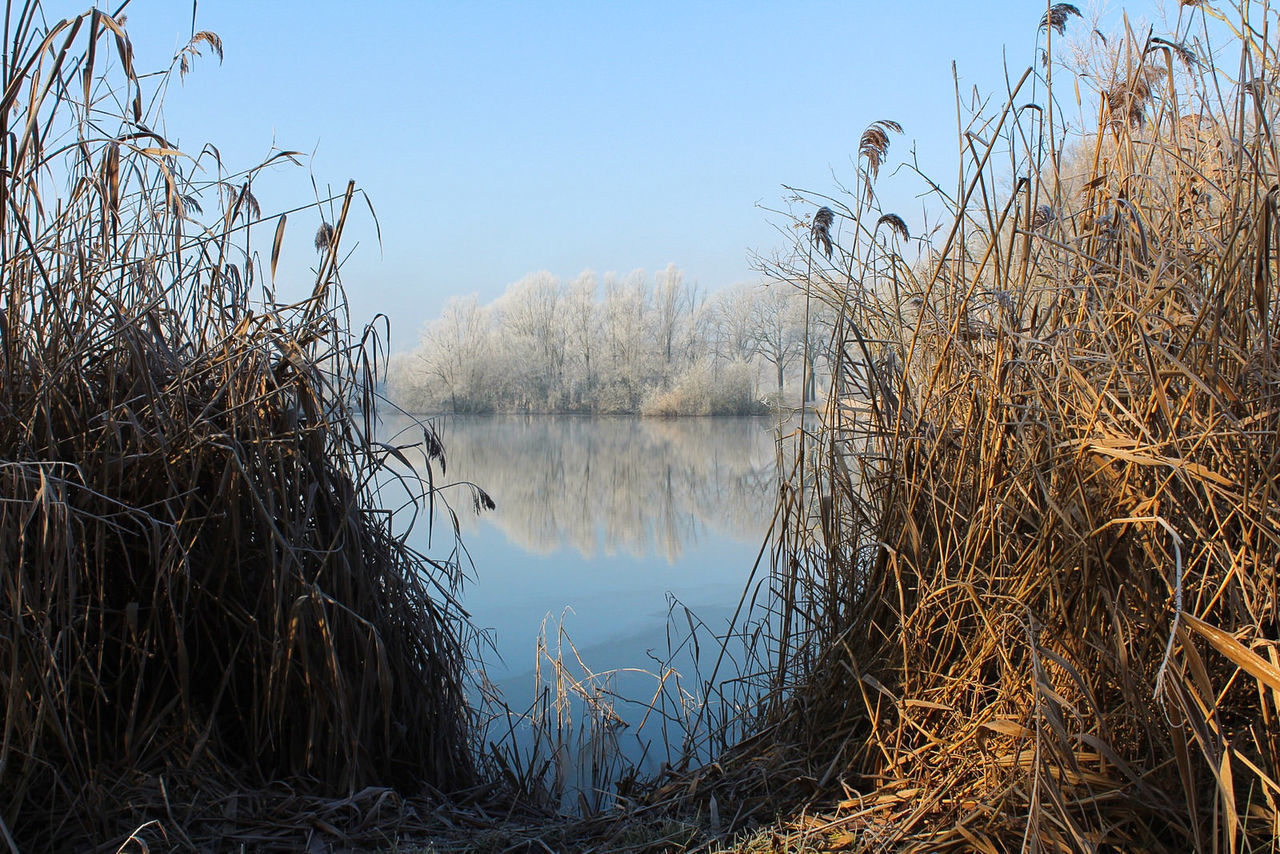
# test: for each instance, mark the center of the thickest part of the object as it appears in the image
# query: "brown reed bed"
(1026, 587)
(203, 614)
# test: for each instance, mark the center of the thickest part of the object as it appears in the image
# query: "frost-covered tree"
(533, 336)
(731, 314)
(611, 344)
(450, 364)
(628, 341)
(581, 317)
(776, 327)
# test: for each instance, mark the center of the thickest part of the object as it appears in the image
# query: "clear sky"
(496, 139)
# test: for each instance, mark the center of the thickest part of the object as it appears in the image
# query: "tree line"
(613, 344)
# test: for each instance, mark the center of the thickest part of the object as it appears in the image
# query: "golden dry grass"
(1027, 587)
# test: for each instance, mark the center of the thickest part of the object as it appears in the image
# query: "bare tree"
(582, 329)
(535, 338)
(671, 305)
(732, 310)
(627, 338)
(776, 327)
(547, 346)
(451, 356)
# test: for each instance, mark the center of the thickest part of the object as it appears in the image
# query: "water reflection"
(605, 487)
(601, 527)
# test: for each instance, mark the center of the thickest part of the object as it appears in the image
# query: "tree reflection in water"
(606, 523)
(606, 486)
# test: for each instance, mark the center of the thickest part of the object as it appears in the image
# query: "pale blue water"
(614, 608)
(599, 523)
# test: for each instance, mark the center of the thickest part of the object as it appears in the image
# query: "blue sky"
(496, 139)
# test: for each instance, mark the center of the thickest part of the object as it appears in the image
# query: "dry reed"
(1026, 586)
(198, 596)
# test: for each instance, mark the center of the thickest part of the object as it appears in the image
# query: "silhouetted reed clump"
(1027, 593)
(198, 595)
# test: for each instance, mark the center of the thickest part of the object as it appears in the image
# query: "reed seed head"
(1127, 100)
(1184, 54)
(324, 237)
(874, 145)
(250, 203)
(820, 231)
(1057, 17)
(1044, 217)
(210, 38)
(895, 224)
(482, 500)
(1257, 87)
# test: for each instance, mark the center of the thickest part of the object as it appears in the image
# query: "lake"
(601, 524)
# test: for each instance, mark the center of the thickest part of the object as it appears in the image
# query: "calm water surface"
(598, 523)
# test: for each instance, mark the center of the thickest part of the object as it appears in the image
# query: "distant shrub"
(616, 397)
(705, 390)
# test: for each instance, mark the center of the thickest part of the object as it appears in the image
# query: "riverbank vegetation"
(205, 618)
(621, 345)
(1027, 589)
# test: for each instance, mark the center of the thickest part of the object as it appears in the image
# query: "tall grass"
(198, 595)
(1027, 583)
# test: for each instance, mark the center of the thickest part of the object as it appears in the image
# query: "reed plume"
(895, 224)
(874, 144)
(324, 237)
(1127, 99)
(1179, 49)
(1057, 17)
(820, 231)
